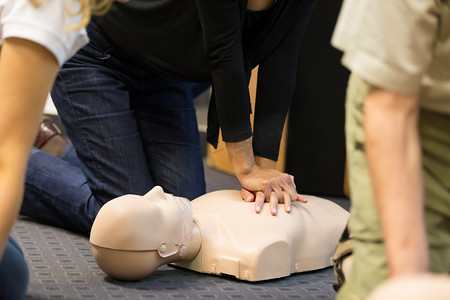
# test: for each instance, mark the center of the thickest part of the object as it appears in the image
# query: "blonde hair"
(87, 8)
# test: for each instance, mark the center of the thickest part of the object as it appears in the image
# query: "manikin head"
(133, 235)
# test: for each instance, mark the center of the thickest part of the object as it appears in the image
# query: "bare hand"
(260, 180)
(268, 185)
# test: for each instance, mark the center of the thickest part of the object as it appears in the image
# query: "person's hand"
(260, 180)
(272, 186)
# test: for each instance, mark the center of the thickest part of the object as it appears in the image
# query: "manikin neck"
(189, 250)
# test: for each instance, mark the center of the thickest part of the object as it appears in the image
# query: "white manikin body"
(132, 235)
(250, 246)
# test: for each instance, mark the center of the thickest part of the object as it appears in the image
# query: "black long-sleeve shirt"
(220, 41)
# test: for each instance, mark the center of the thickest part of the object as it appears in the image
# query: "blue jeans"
(131, 129)
(13, 273)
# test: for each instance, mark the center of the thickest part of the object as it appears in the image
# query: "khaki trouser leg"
(369, 267)
(435, 138)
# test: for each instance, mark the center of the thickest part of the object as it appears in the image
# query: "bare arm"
(394, 158)
(260, 180)
(27, 72)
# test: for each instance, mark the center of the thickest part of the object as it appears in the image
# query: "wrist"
(265, 163)
(242, 157)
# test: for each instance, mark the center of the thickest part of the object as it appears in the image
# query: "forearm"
(27, 72)
(394, 158)
(10, 202)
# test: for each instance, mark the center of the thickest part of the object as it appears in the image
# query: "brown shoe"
(47, 130)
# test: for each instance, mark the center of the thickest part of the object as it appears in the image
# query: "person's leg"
(57, 193)
(131, 128)
(168, 126)
(435, 137)
(369, 266)
(93, 105)
(69, 154)
(199, 88)
(92, 95)
(13, 273)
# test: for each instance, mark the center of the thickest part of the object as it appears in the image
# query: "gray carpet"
(62, 267)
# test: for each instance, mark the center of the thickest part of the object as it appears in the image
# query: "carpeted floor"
(62, 267)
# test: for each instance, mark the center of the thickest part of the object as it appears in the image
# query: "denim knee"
(13, 273)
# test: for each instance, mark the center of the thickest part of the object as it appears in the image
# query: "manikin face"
(156, 223)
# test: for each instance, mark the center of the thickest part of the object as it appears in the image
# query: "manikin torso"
(216, 233)
(250, 246)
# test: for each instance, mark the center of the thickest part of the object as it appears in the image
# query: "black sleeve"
(221, 25)
(276, 84)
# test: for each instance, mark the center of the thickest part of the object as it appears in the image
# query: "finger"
(287, 184)
(267, 190)
(259, 201)
(247, 195)
(287, 202)
(301, 198)
(276, 188)
(273, 203)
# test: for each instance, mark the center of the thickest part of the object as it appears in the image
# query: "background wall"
(316, 142)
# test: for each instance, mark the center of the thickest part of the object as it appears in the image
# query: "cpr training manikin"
(217, 233)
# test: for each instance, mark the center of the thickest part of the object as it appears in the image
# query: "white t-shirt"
(46, 25)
